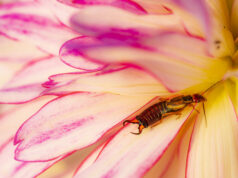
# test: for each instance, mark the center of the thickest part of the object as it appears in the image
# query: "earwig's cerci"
(164, 108)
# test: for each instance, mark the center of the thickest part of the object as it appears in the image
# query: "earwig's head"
(197, 98)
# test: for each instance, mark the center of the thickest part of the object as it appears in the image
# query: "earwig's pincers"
(135, 121)
(140, 128)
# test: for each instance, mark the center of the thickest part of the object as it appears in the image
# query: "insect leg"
(177, 113)
(204, 113)
(194, 108)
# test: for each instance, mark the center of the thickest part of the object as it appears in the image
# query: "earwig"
(164, 108)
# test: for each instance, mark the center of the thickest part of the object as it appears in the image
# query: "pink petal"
(17, 169)
(32, 22)
(68, 123)
(6, 108)
(127, 24)
(12, 1)
(10, 121)
(170, 57)
(26, 84)
(199, 9)
(19, 95)
(128, 155)
(23, 51)
(7, 70)
(12, 118)
(11, 62)
(154, 7)
(90, 159)
(126, 81)
(196, 8)
(61, 11)
(123, 4)
(75, 60)
(173, 161)
(39, 71)
(213, 150)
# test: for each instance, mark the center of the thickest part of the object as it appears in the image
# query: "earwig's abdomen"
(153, 114)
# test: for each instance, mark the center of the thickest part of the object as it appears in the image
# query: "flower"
(131, 54)
(23, 54)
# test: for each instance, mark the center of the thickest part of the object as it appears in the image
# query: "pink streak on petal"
(65, 79)
(69, 120)
(74, 58)
(23, 23)
(76, 48)
(17, 169)
(127, 24)
(12, 119)
(199, 9)
(189, 148)
(21, 94)
(26, 84)
(123, 4)
(62, 12)
(30, 74)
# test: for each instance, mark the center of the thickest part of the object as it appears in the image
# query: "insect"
(164, 108)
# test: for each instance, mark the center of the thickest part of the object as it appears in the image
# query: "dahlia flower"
(99, 63)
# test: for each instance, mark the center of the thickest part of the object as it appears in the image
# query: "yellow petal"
(232, 87)
(213, 147)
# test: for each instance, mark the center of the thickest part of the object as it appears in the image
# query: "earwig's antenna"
(204, 113)
(203, 102)
(212, 86)
(204, 93)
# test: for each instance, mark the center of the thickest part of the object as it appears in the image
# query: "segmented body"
(153, 114)
(164, 108)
